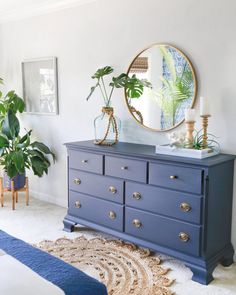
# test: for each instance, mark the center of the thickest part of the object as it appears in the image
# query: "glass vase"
(107, 127)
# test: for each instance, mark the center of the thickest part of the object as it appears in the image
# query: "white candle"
(190, 115)
(204, 106)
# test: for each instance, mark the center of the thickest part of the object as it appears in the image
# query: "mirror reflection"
(173, 90)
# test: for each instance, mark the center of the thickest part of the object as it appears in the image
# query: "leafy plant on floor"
(18, 153)
(133, 86)
(10, 101)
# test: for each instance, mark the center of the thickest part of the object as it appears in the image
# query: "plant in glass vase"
(107, 126)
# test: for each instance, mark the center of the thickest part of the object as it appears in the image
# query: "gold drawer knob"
(124, 168)
(112, 215)
(112, 189)
(77, 181)
(84, 161)
(77, 204)
(137, 196)
(185, 207)
(137, 223)
(183, 237)
(173, 177)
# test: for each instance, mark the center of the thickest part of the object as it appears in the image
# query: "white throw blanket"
(18, 279)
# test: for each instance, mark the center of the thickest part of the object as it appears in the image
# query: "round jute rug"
(122, 267)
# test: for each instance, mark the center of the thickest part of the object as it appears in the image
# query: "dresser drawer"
(100, 186)
(176, 177)
(86, 161)
(163, 231)
(162, 201)
(126, 168)
(96, 210)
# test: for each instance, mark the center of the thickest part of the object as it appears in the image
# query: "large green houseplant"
(18, 153)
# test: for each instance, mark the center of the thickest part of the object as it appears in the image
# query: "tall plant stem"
(109, 99)
(104, 98)
(104, 87)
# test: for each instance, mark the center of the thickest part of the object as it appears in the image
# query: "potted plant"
(18, 153)
(107, 125)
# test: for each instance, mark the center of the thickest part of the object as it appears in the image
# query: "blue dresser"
(178, 206)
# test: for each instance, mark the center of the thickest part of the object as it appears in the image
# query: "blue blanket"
(71, 280)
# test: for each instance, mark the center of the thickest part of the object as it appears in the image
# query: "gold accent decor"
(183, 237)
(204, 127)
(112, 190)
(77, 204)
(137, 223)
(137, 115)
(185, 207)
(111, 124)
(123, 267)
(137, 196)
(173, 177)
(112, 215)
(77, 181)
(140, 65)
(189, 135)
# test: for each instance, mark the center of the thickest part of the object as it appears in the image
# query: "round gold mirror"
(161, 106)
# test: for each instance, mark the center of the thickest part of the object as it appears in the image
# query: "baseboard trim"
(47, 198)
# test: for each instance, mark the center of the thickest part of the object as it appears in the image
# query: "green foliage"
(133, 86)
(176, 89)
(11, 101)
(212, 143)
(18, 153)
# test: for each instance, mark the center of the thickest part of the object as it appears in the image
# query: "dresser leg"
(68, 225)
(201, 275)
(228, 260)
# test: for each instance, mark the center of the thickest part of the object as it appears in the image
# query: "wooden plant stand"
(14, 192)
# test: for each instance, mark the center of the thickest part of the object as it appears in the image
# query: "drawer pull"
(173, 177)
(185, 207)
(84, 161)
(183, 237)
(136, 196)
(124, 168)
(112, 215)
(77, 181)
(137, 223)
(112, 189)
(77, 204)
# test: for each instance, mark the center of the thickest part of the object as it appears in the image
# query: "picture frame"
(40, 85)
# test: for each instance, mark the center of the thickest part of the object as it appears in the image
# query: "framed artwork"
(39, 77)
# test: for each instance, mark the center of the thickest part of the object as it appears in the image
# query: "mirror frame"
(194, 78)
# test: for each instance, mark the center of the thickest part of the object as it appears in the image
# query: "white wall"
(108, 32)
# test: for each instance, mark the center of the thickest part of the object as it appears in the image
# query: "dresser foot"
(227, 260)
(201, 275)
(68, 225)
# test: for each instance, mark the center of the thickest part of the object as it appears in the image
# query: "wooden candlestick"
(204, 127)
(189, 135)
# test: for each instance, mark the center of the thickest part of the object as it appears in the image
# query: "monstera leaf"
(120, 81)
(134, 86)
(102, 72)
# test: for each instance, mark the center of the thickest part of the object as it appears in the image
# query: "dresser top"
(145, 151)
